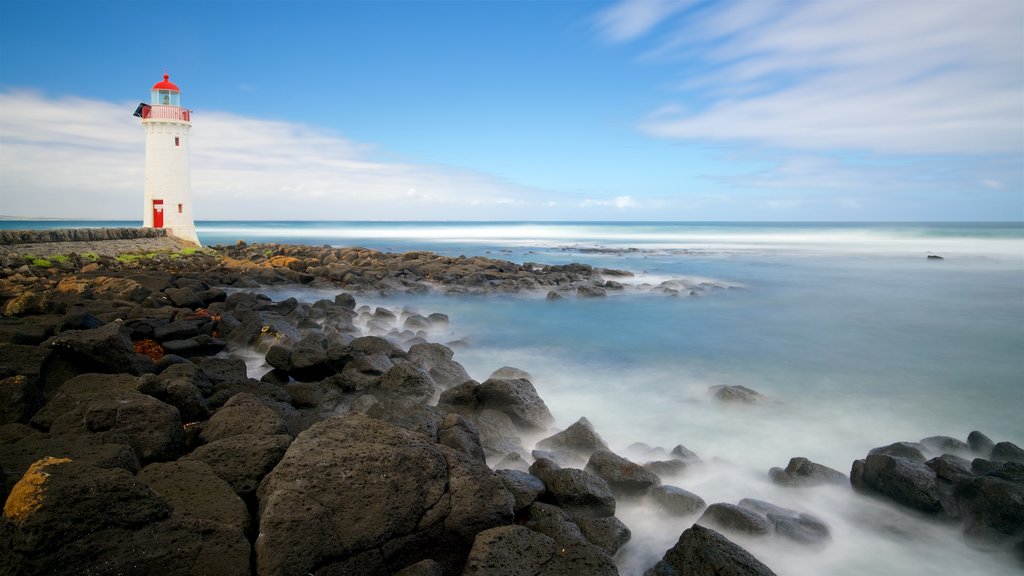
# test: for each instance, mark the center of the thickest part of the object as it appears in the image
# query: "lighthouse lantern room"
(168, 185)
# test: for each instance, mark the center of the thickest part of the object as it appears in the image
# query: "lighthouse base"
(187, 233)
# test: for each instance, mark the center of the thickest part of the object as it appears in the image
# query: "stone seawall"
(99, 241)
(8, 237)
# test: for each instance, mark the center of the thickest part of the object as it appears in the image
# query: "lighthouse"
(168, 184)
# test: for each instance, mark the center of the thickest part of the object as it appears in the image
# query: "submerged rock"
(733, 518)
(737, 394)
(802, 472)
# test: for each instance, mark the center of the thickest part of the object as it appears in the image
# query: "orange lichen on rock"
(149, 347)
(27, 495)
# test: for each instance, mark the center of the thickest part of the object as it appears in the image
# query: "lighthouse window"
(179, 208)
(177, 141)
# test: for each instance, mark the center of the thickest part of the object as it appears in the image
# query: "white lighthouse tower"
(168, 185)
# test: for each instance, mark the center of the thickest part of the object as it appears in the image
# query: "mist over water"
(856, 338)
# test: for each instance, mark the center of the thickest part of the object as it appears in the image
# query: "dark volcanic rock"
(405, 384)
(993, 510)
(608, 533)
(944, 445)
(703, 552)
(524, 487)
(907, 450)
(106, 349)
(737, 394)
(244, 459)
(436, 359)
(803, 472)
(509, 372)
(950, 468)
(683, 453)
(733, 518)
(353, 495)
(108, 409)
(580, 440)
(458, 433)
(182, 386)
(518, 399)
(1007, 452)
(59, 503)
(243, 414)
(980, 444)
(677, 501)
(907, 482)
(19, 399)
(625, 478)
(201, 500)
(29, 445)
(519, 551)
(798, 527)
(575, 490)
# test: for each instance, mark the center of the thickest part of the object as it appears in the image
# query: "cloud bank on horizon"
(793, 110)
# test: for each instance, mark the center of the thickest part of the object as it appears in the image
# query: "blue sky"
(576, 110)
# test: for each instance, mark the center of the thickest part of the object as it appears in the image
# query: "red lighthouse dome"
(166, 84)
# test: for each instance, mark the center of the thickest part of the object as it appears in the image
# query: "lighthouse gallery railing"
(159, 112)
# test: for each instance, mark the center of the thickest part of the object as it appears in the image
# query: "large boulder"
(60, 506)
(1007, 452)
(183, 386)
(980, 444)
(405, 383)
(993, 510)
(28, 445)
(107, 409)
(243, 460)
(575, 490)
(625, 478)
(520, 551)
(703, 552)
(243, 414)
(802, 472)
(355, 494)
(201, 499)
(518, 399)
(579, 440)
(436, 359)
(906, 482)
(107, 349)
(907, 450)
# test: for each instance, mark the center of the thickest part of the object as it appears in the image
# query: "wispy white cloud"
(633, 18)
(79, 158)
(618, 202)
(887, 77)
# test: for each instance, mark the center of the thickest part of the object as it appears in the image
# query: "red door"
(158, 213)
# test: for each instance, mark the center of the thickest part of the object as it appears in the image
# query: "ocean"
(857, 338)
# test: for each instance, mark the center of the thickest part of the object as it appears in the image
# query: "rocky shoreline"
(133, 439)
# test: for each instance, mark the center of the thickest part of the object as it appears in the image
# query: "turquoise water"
(855, 335)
